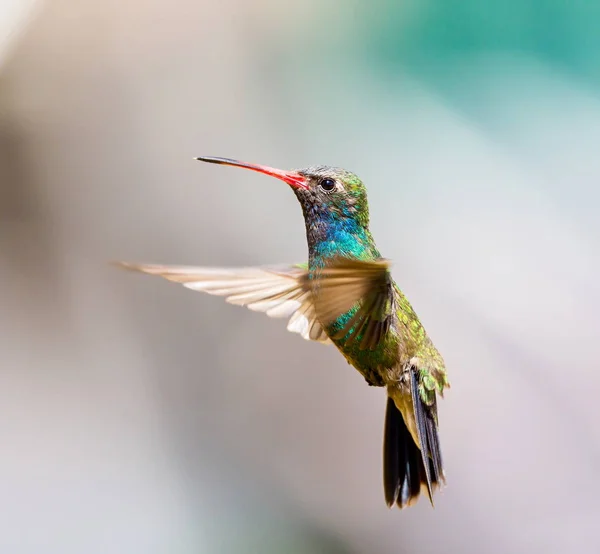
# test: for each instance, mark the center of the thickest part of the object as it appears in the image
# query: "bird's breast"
(373, 363)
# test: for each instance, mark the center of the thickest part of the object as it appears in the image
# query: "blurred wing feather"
(277, 291)
(367, 288)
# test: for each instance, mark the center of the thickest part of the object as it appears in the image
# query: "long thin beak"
(292, 178)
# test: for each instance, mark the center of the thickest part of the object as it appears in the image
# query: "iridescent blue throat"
(330, 235)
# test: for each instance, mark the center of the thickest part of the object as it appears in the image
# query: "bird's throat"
(334, 238)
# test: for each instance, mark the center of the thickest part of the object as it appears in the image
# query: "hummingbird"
(345, 295)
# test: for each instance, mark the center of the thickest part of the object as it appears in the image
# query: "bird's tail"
(406, 468)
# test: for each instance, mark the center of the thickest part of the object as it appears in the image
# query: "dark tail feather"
(403, 470)
(405, 467)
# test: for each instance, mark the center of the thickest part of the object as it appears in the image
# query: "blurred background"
(140, 417)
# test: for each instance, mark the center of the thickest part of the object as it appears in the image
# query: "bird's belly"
(373, 363)
(367, 366)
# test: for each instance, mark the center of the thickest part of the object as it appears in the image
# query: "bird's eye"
(327, 184)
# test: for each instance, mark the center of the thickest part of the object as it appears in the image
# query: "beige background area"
(139, 417)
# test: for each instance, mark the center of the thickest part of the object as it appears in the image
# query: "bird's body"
(345, 295)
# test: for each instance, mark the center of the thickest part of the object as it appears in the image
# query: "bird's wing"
(362, 289)
(278, 291)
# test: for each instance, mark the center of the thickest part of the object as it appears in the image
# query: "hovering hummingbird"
(345, 295)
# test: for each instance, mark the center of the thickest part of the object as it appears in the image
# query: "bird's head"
(325, 193)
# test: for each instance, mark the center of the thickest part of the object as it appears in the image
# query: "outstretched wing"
(277, 291)
(363, 291)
